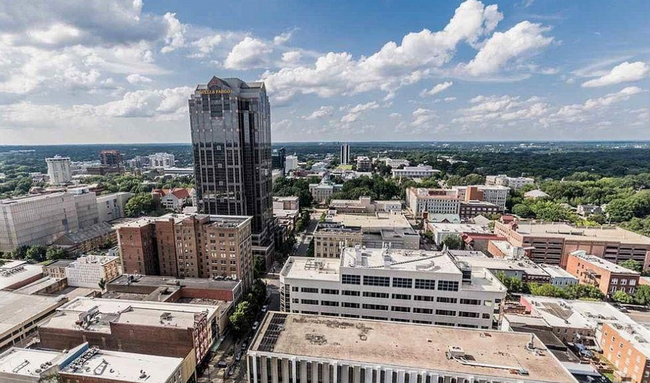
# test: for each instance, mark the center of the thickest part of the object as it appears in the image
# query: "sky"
(121, 71)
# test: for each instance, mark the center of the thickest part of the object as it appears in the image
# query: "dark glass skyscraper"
(231, 140)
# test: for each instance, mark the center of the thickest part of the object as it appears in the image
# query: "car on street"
(256, 325)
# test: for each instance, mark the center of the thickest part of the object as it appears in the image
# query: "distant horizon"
(342, 142)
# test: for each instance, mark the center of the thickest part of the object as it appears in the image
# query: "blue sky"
(121, 71)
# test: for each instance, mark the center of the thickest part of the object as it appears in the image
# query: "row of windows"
(421, 284)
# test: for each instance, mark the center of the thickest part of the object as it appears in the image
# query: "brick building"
(607, 276)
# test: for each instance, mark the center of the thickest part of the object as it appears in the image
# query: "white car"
(256, 325)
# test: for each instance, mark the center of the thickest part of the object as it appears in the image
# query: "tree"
(54, 253)
(514, 285)
(19, 252)
(36, 253)
(101, 283)
(622, 297)
(139, 205)
(579, 291)
(241, 318)
(522, 210)
(259, 266)
(452, 242)
(642, 295)
(631, 264)
(546, 290)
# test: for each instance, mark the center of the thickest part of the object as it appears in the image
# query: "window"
(329, 303)
(405, 297)
(369, 280)
(350, 305)
(473, 302)
(425, 284)
(399, 320)
(450, 313)
(351, 293)
(369, 306)
(465, 314)
(446, 300)
(372, 294)
(448, 285)
(309, 302)
(419, 310)
(401, 309)
(310, 290)
(632, 282)
(349, 316)
(614, 281)
(329, 291)
(405, 283)
(348, 279)
(423, 298)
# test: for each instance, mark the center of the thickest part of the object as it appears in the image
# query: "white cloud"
(581, 112)
(175, 33)
(625, 72)
(523, 38)
(394, 65)
(137, 79)
(323, 111)
(504, 108)
(247, 54)
(291, 57)
(395, 115)
(422, 117)
(436, 89)
(163, 104)
(206, 44)
(55, 34)
(358, 110)
(282, 38)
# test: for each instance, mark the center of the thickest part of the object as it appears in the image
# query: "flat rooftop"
(16, 309)
(458, 228)
(376, 221)
(124, 366)
(556, 271)
(420, 347)
(575, 313)
(562, 230)
(106, 311)
(27, 362)
(10, 277)
(523, 265)
(155, 281)
(603, 263)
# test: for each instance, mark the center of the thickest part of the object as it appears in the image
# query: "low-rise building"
(370, 230)
(20, 314)
(364, 164)
(364, 205)
(424, 202)
(443, 230)
(173, 199)
(286, 203)
(90, 270)
(395, 162)
(323, 191)
(176, 330)
(511, 182)
(535, 194)
(494, 194)
(57, 268)
(16, 274)
(398, 285)
(84, 364)
(471, 209)
(588, 209)
(87, 239)
(552, 243)
(626, 348)
(559, 276)
(479, 241)
(521, 268)
(298, 347)
(420, 171)
(607, 276)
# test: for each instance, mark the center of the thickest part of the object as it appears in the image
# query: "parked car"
(256, 325)
(221, 364)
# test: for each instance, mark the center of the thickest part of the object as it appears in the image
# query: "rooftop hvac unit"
(456, 352)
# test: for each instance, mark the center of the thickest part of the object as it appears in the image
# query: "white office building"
(511, 182)
(58, 170)
(491, 193)
(161, 160)
(395, 162)
(290, 163)
(345, 154)
(415, 286)
(420, 171)
(111, 206)
(297, 348)
(89, 270)
(432, 201)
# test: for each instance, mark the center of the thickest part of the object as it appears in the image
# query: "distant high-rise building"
(58, 169)
(279, 159)
(291, 163)
(230, 123)
(345, 154)
(161, 160)
(111, 158)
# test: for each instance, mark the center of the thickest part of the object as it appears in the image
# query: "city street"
(303, 239)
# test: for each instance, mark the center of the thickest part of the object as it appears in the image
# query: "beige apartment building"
(553, 242)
